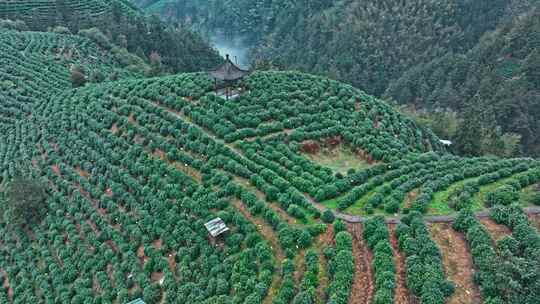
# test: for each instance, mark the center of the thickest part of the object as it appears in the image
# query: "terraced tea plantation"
(45, 12)
(134, 168)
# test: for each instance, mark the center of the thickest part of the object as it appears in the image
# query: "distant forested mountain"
(433, 54)
(496, 84)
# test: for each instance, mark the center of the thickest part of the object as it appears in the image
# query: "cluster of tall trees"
(495, 86)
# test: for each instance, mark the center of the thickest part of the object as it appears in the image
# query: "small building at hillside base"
(226, 77)
(446, 143)
(137, 301)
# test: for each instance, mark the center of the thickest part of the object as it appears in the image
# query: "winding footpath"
(429, 219)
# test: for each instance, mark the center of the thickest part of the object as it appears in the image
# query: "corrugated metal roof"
(216, 227)
(137, 301)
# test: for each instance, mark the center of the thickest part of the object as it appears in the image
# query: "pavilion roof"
(228, 71)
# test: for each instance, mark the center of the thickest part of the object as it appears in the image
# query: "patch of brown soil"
(109, 192)
(401, 292)
(112, 245)
(362, 287)
(156, 277)
(140, 254)
(495, 230)
(535, 220)
(135, 288)
(131, 118)
(363, 155)
(103, 212)
(411, 196)
(93, 226)
(56, 169)
(457, 263)
(6, 286)
(325, 239)
(157, 244)
(196, 175)
(299, 266)
(114, 128)
(263, 228)
(82, 173)
(110, 272)
(96, 289)
(159, 154)
(333, 141)
(310, 147)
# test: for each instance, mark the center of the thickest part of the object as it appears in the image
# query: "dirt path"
(362, 287)
(263, 228)
(299, 266)
(401, 292)
(535, 220)
(495, 230)
(410, 197)
(326, 239)
(269, 235)
(457, 263)
(6, 286)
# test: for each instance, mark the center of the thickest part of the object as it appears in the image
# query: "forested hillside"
(497, 83)
(380, 46)
(179, 49)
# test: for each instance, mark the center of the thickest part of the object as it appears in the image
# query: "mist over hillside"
(236, 47)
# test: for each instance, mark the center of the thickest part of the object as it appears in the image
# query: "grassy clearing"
(339, 159)
(480, 197)
(439, 204)
(331, 203)
(527, 195)
(358, 207)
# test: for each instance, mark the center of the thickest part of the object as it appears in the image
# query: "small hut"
(137, 301)
(228, 75)
(216, 227)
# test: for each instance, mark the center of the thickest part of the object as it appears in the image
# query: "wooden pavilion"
(228, 75)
